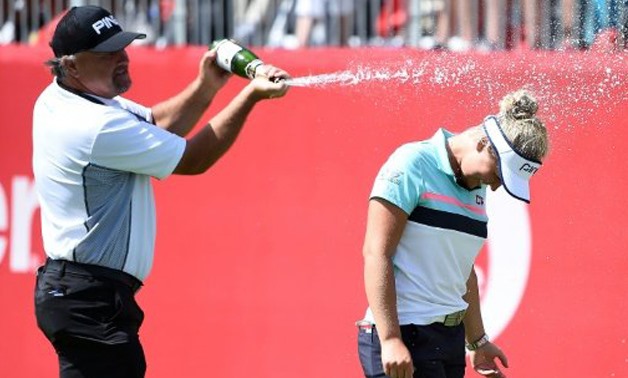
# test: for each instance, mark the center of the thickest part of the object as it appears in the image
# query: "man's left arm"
(482, 352)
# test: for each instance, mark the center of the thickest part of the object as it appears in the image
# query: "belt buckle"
(365, 326)
(454, 319)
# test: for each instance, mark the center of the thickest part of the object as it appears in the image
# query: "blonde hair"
(522, 128)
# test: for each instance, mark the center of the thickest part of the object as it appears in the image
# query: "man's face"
(104, 74)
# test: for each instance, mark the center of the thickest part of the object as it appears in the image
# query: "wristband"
(478, 343)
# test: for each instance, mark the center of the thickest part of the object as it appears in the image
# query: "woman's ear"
(486, 143)
(482, 143)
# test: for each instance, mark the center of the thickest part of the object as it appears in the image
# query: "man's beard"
(122, 83)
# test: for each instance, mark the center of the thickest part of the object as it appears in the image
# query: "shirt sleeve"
(135, 108)
(129, 144)
(400, 180)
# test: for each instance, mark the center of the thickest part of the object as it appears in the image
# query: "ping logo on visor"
(515, 171)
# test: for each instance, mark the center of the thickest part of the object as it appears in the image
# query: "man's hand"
(269, 82)
(271, 73)
(396, 359)
(483, 360)
(210, 74)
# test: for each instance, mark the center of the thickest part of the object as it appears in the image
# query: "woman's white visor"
(515, 171)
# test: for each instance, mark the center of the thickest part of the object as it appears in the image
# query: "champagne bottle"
(235, 58)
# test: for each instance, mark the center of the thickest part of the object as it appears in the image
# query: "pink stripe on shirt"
(453, 201)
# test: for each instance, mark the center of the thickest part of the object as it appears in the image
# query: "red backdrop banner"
(258, 267)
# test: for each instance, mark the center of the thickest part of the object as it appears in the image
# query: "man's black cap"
(90, 28)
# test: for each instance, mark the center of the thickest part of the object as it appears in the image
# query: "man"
(94, 154)
(426, 224)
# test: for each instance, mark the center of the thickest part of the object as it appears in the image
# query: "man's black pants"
(90, 316)
(437, 351)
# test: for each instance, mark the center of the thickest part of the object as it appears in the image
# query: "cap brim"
(515, 185)
(117, 42)
(515, 170)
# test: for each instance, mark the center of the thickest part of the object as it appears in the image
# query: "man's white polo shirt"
(93, 159)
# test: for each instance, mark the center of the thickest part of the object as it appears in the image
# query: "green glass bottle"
(235, 58)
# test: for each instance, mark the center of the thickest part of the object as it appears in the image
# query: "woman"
(426, 225)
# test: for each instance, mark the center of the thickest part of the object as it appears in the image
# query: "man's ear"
(69, 65)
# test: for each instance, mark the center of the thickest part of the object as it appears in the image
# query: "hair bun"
(519, 105)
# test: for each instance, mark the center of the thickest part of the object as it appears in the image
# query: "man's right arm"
(213, 140)
(385, 224)
(180, 113)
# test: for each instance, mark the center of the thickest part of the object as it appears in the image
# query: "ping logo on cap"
(531, 169)
(515, 170)
(105, 22)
